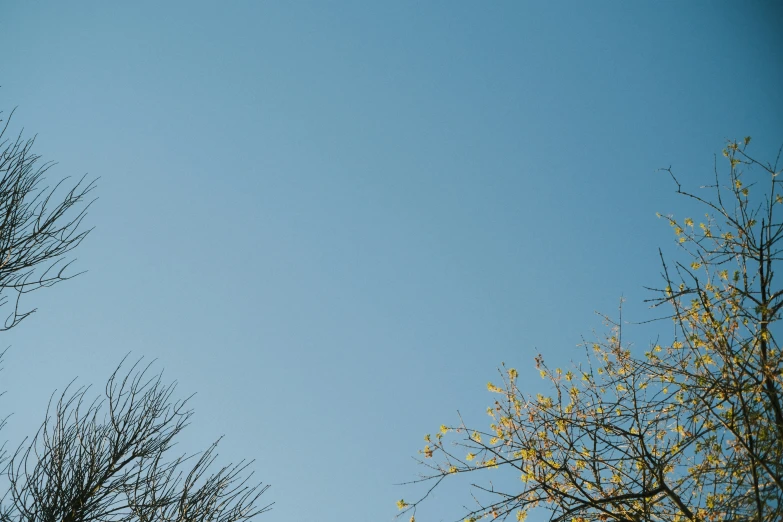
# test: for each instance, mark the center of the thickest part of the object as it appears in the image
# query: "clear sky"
(334, 220)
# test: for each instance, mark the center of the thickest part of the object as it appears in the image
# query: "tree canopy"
(691, 429)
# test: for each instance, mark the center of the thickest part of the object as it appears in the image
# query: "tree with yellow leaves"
(692, 430)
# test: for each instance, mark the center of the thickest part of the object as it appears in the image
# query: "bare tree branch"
(110, 459)
(39, 225)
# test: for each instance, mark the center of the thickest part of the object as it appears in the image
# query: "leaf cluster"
(691, 430)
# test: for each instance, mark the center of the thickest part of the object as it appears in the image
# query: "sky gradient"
(334, 220)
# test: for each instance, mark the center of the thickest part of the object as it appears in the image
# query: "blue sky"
(334, 220)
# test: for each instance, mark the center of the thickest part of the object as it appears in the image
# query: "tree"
(103, 459)
(690, 430)
(38, 225)
(108, 460)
